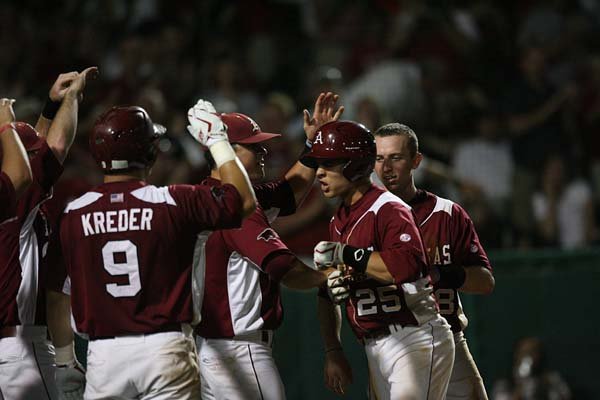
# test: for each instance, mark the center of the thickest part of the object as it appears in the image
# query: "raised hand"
(61, 85)
(77, 84)
(206, 125)
(324, 112)
(7, 115)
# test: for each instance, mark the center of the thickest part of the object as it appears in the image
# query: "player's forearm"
(330, 322)
(377, 269)
(15, 163)
(42, 126)
(64, 126)
(302, 277)
(233, 172)
(478, 280)
(300, 178)
(58, 313)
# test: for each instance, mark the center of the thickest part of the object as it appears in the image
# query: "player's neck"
(138, 175)
(356, 193)
(408, 193)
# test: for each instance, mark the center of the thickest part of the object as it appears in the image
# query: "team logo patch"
(405, 237)
(267, 234)
(474, 248)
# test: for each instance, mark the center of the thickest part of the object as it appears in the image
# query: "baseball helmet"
(29, 136)
(346, 140)
(243, 129)
(125, 138)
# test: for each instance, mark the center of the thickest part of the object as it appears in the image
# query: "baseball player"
(458, 259)
(391, 308)
(15, 172)
(26, 358)
(243, 268)
(130, 272)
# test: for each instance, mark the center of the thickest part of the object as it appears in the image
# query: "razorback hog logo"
(267, 234)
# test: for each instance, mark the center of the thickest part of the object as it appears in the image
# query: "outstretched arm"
(64, 126)
(15, 163)
(208, 129)
(302, 277)
(301, 176)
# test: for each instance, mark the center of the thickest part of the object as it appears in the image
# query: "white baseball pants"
(411, 363)
(155, 366)
(465, 382)
(27, 365)
(239, 368)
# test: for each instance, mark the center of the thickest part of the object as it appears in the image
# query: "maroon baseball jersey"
(241, 295)
(8, 198)
(382, 222)
(24, 243)
(128, 248)
(450, 238)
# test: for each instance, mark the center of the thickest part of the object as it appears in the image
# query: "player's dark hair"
(397, 129)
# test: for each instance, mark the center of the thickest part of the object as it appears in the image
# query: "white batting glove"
(205, 124)
(70, 380)
(338, 286)
(328, 254)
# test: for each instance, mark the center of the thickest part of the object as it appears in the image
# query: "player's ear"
(417, 160)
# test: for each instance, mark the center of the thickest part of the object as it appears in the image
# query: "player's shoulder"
(382, 201)
(85, 200)
(449, 208)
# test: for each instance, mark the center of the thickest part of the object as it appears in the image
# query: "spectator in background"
(563, 208)
(532, 109)
(368, 113)
(228, 93)
(531, 377)
(483, 168)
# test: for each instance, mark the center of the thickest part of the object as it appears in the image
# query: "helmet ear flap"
(355, 170)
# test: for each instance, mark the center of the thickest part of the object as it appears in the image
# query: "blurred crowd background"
(504, 95)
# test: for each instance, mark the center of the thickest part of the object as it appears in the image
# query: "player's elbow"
(488, 285)
(248, 206)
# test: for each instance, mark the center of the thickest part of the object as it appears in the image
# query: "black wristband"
(356, 257)
(50, 108)
(307, 161)
(452, 276)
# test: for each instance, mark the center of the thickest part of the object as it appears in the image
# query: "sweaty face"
(394, 163)
(333, 182)
(252, 157)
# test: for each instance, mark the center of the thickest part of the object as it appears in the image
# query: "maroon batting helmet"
(125, 138)
(242, 129)
(346, 140)
(29, 136)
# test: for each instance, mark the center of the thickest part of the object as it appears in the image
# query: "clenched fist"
(328, 254)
